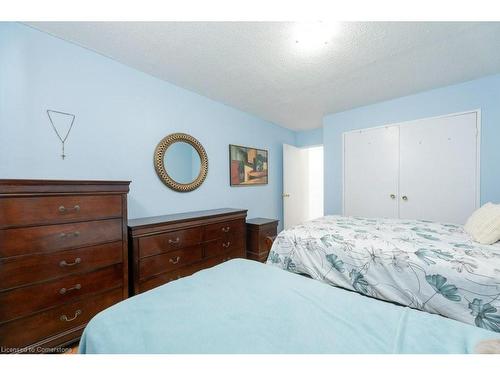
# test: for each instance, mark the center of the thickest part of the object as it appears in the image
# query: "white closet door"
(371, 162)
(438, 165)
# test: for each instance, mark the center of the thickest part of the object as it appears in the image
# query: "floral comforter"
(429, 266)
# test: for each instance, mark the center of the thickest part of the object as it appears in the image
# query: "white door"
(295, 186)
(438, 165)
(371, 164)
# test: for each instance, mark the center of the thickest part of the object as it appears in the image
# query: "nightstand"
(258, 229)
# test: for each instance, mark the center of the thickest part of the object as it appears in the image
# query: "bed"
(242, 306)
(425, 265)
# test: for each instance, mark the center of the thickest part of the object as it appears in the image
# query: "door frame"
(407, 123)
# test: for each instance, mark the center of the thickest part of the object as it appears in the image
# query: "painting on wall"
(247, 166)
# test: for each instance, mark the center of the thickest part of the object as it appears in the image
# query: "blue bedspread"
(243, 306)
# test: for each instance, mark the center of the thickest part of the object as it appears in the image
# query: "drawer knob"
(63, 263)
(171, 241)
(64, 318)
(226, 244)
(64, 290)
(174, 261)
(75, 208)
(226, 229)
(69, 235)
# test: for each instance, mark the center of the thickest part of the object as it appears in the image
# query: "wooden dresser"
(63, 258)
(166, 248)
(260, 233)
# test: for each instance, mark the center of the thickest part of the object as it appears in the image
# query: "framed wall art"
(248, 166)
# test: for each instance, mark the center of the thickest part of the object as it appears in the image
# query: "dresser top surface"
(183, 216)
(257, 221)
(19, 186)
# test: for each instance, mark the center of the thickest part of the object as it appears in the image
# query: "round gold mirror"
(181, 162)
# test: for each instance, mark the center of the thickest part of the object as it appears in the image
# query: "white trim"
(409, 123)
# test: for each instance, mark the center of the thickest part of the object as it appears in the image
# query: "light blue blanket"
(243, 306)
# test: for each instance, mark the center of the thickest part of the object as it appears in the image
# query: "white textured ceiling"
(258, 68)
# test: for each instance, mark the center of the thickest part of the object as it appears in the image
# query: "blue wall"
(312, 137)
(481, 94)
(121, 114)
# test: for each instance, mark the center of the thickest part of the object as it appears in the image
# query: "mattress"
(434, 267)
(243, 306)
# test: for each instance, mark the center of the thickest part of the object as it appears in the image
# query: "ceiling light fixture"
(314, 36)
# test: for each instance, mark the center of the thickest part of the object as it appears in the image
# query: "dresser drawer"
(57, 209)
(220, 230)
(154, 265)
(51, 238)
(18, 271)
(170, 241)
(263, 234)
(23, 301)
(165, 248)
(189, 270)
(222, 246)
(177, 274)
(18, 333)
(258, 232)
(236, 253)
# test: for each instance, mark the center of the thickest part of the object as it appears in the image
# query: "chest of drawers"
(63, 258)
(166, 248)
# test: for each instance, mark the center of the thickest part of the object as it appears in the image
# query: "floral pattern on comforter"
(429, 266)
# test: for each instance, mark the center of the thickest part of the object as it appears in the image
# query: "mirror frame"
(159, 162)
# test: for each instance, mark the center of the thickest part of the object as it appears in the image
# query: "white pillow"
(484, 224)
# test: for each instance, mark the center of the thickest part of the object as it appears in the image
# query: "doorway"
(302, 184)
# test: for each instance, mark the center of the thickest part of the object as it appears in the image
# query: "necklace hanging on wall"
(63, 132)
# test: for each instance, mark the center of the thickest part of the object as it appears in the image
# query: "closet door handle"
(404, 197)
(393, 196)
